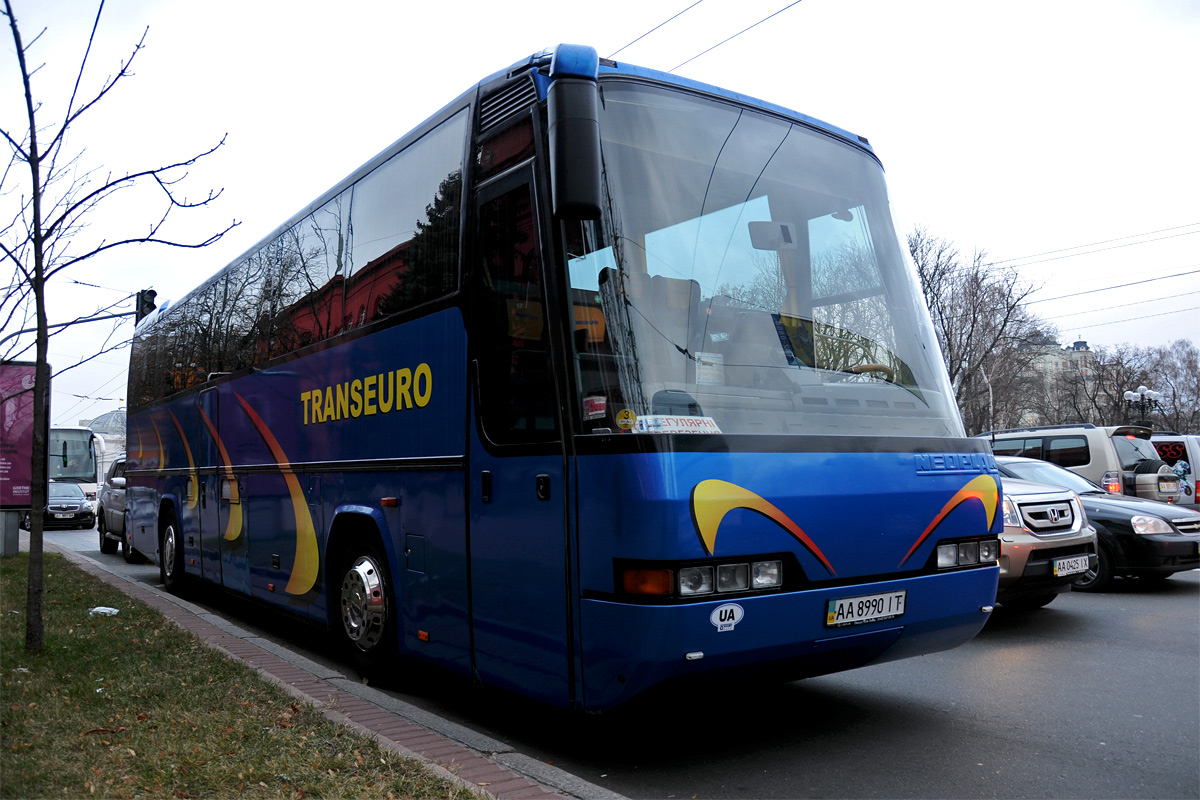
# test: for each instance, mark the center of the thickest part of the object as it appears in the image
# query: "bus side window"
(512, 331)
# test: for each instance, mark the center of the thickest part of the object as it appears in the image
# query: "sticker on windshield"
(710, 369)
(626, 419)
(664, 423)
(594, 407)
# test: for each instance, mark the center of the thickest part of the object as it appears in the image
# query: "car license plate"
(867, 608)
(63, 516)
(1070, 566)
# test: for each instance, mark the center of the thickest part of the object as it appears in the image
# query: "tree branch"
(93, 197)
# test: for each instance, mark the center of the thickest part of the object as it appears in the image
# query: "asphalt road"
(1094, 696)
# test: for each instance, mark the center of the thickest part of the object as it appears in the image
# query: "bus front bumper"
(629, 648)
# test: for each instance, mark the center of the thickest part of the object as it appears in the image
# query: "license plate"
(1070, 566)
(63, 516)
(867, 608)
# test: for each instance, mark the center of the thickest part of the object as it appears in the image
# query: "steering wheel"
(889, 374)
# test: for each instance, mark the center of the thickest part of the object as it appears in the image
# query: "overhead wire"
(656, 27)
(1097, 250)
(1110, 288)
(1010, 263)
(1140, 317)
(1123, 305)
(739, 33)
(1094, 244)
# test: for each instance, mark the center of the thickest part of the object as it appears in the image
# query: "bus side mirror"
(574, 116)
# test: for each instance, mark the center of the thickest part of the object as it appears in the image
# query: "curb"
(482, 765)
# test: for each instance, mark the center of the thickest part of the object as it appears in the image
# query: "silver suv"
(1119, 458)
(111, 521)
(1047, 544)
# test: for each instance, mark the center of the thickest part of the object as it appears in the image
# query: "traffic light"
(145, 304)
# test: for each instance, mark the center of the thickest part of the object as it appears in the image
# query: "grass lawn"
(132, 706)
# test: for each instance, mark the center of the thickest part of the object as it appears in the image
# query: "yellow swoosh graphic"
(713, 499)
(141, 455)
(233, 528)
(194, 487)
(304, 568)
(983, 488)
(162, 457)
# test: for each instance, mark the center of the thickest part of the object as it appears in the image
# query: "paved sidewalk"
(483, 764)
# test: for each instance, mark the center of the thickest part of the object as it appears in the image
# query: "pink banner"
(16, 433)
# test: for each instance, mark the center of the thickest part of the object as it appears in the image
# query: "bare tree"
(1175, 371)
(1098, 396)
(45, 234)
(983, 328)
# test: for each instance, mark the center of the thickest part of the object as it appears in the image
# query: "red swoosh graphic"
(982, 488)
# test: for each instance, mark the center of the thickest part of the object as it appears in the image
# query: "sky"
(1059, 136)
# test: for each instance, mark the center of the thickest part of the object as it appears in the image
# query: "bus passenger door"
(210, 537)
(518, 491)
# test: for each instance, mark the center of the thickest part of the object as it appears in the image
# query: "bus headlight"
(733, 577)
(989, 551)
(968, 554)
(766, 574)
(695, 580)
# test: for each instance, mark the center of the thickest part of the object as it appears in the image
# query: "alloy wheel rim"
(169, 551)
(363, 603)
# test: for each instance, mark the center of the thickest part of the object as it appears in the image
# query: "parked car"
(1047, 543)
(1120, 458)
(1182, 454)
(110, 518)
(66, 507)
(1135, 537)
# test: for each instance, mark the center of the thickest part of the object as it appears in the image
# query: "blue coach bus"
(598, 380)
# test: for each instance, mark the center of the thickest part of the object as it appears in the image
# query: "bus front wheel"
(365, 609)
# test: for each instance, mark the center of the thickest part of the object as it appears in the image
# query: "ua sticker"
(726, 616)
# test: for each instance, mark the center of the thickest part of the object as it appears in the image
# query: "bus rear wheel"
(170, 553)
(365, 621)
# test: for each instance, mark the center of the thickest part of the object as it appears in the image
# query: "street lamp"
(1145, 401)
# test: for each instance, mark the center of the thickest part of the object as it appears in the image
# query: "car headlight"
(1143, 524)
(1083, 520)
(1011, 518)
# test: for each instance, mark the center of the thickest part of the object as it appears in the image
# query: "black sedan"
(1136, 537)
(67, 507)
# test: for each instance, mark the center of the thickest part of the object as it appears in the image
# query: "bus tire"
(107, 546)
(127, 551)
(170, 553)
(363, 609)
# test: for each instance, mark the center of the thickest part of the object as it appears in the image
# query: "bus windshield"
(71, 455)
(745, 278)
